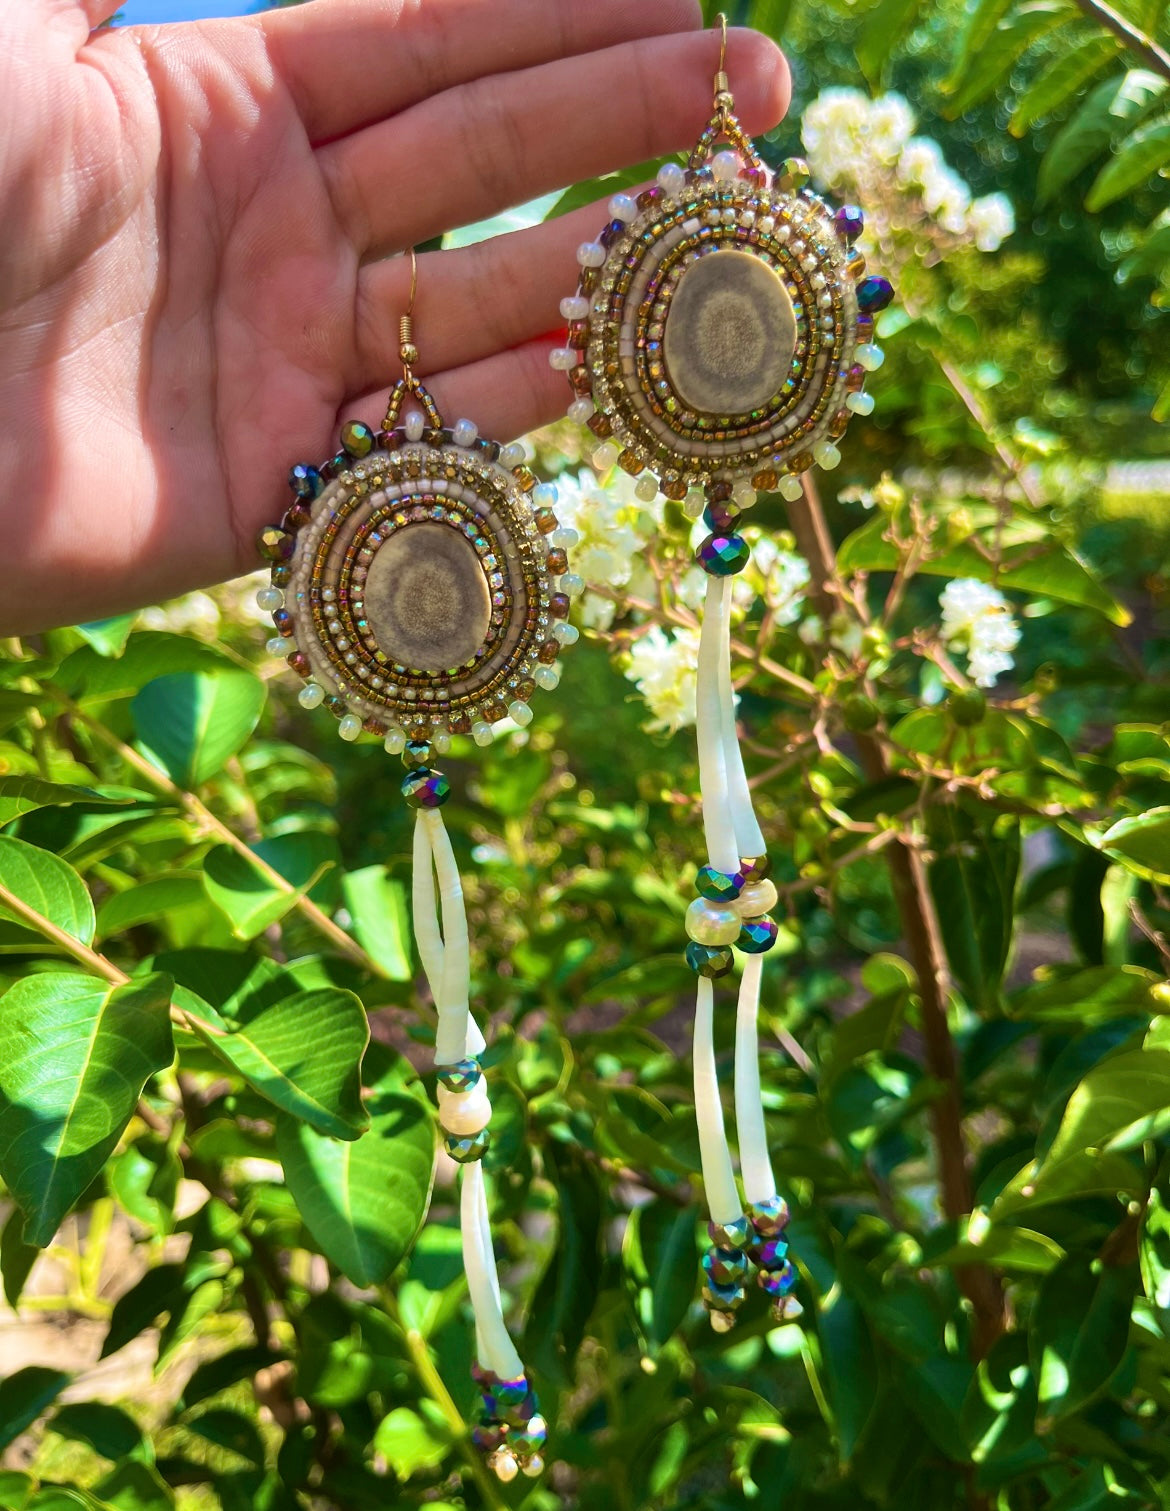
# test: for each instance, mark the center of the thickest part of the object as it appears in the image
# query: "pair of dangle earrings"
(718, 343)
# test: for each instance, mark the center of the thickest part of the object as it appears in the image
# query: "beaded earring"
(718, 344)
(420, 586)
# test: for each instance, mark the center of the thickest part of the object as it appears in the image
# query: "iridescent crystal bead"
(729, 1235)
(757, 936)
(850, 222)
(508, 1393)
(425, 788)
(462, 1075)
(488, 1435)
(305, 481)
(778, 1282)
(465, 1151)
(358, 439)
(724, 1298)
(416, 753)
(725, 1266)
(874, 294)
(724, 555)
(710, 960)
(792, 175)
(275, 544)
(754, 868)
(717, 886)
(771, 1254)
(722, 516)
(530, 1438)
(769, 1217)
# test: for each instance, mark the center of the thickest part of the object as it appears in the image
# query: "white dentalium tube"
(749, 839)
(759, 1183)
(718, 1173)
(717, 822)
(495, 1348)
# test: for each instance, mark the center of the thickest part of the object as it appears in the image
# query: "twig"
(1137, 41)
(94, 962)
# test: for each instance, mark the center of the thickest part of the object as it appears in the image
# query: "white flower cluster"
(866, 147)
(664, 669)
(614, 527)
(976, 618)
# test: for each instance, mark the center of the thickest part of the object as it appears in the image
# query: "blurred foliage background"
(218, 1293)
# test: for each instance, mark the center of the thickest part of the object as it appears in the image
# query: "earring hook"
(407, 350)
(721, 84)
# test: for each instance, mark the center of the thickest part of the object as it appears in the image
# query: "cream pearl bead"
(757, 898)
(712, 923)
(465, 1113)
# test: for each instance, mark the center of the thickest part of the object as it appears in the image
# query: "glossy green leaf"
(109, 1431)
(1090, 996)
(377, 905)
(1088, 133)
(304, 1053)
(77, 1055)
(999, 1413)
(981, 24)
(1079, 1333)
(149, 654)
(363, 1221)
(46, 884)
(230, 1430)
(850, 1365)
(662, 1257)
(135, 1486)
(568, 1289)
(409, 1441)
(1116, 1104)
(249, 899)
(885, 24)
(24, 1396)
(1061, 80)
(16, 1257)
(148, 902)
(191, 723)
(1141, 154)
(25, 794)
(1142, 843)
(1002, 48)
(973, 877)
(108, 636)
(598, 190)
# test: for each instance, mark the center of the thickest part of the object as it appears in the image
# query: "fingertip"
(760, 79)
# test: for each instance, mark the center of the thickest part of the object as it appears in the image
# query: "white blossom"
(664, 669)
(976, 618)
(991, 221)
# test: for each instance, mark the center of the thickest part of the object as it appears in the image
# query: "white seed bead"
(547, 677)
(671, 179)
(605, 456)
(712, 923)
(725, 166)
(544, 496)
(481, 732)
(464, 432)
(519, 713)
(504, 1466)
(280, 645)
(743, 494)
(590, 254)
(562, 359)
(767, 225)
(269, 599)
(623, 207)
(572, 584)
(827, 455)
(646, 488)
(860, 403)
(564, 538)
(312, 695)
(580, 410)
(575, 307)
(757, 898)
(870, 357)
(534, 1466)
(414, 424)
(791, 488)
(349, 726)
(395, 741)
(566, 634)
(694, 503)
(465, 1113)
(441, 741)
(513, 454)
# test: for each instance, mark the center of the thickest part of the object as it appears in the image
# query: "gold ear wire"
(407, 350)
(721, 84)
(408, 354)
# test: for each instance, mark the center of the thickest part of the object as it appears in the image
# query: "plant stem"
(210, 824)
(920, 928)
(94, 962)
(1138, 42)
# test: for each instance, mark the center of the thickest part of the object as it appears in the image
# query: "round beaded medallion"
(419, 581)
(722, 325)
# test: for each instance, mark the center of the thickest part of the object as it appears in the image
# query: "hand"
(196, 276)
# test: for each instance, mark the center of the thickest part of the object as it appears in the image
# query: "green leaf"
(363, 1221)
(569, 1286)
(1115, 1105)
(410, 1442)
(1141, 154)
(24, 1396)
(660, 1253)
(158, 1291)
(972, 879)
(377, 905)
(1002, 50)
(24, 794)
(148, 902)
(90, 676)
(191, 723)
(850, 1366)
(108, 636)
(1088, 997)
(1079, 1333)
(885, 24)
(135, 1486)
(249, 899)
(230, 1430)
(1090, 130)
(223, 1372)
(108, 1430)
(591, 190)
(771, 17)
(77, 1057)
(47, 885)
(1062, 79)
(981, 23)
(1142, 843)
(304, 1053)
(16, 1257)
(998, 1414)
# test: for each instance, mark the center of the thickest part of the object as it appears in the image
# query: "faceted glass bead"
(523, 1411)
(753, 868)
(757, 936)
(778, 1282)
(530, 1438)
(850, 222)
(724, 1298)
(510, 1392)
(274, 543)
(729, 1235)
(488, 1435)
(296, 518)
(768, 1217)
(460, 1076)
(305, 481)
(358, 439)
(792, 175)
(710, 960)
(425, 788)
(874, 294)
(724, 555)
(725, 1266)
(416, 753)
(717, 886)
(771, 1254)
(465, 1151)
(721, 516)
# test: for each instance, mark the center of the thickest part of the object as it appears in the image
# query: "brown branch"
(1139, 44)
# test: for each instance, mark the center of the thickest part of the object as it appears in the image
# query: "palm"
(204, 278)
